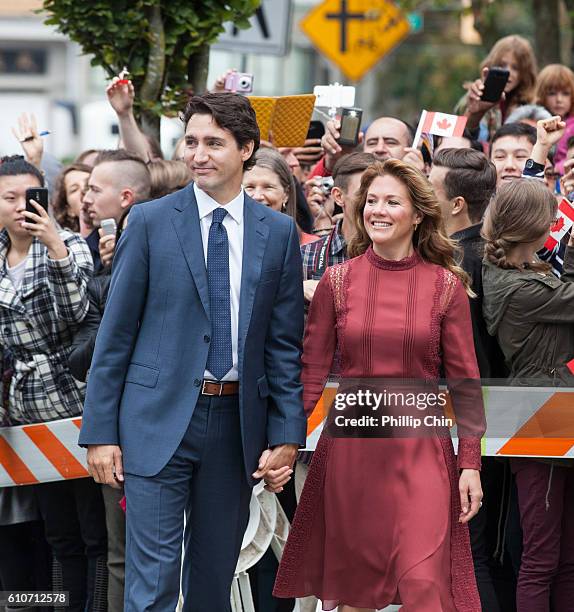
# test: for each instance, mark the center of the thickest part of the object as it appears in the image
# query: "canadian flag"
(442, 124)
(564, 221)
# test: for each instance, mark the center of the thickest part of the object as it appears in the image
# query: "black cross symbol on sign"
(344, 16)
(261, 21)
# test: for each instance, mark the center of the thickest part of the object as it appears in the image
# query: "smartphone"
(494, 84)
(350, 127)
(316, 130)
(40, 196)
(109, 227)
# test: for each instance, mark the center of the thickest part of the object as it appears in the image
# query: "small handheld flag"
(564, 221)
(439, 124)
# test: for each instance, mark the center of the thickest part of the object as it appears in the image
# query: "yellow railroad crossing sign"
(355, 34)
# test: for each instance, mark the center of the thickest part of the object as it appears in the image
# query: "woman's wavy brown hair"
(430, 238)
(60, 205)
(521, 212)
(523, 93)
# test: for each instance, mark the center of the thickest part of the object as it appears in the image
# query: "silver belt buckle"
(212, 382)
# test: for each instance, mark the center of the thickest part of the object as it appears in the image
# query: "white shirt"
(233, 223)
(16, 274)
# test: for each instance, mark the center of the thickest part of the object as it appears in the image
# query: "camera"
(327, 185)
(240, 82)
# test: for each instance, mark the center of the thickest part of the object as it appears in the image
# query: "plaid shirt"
(37, 325)
(337, 251)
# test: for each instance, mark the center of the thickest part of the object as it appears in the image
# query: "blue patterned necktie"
(220, 358)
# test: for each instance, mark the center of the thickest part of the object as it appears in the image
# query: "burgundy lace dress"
(378, 518)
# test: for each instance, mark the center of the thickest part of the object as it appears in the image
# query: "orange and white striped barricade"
(43, 452)
(521, 421)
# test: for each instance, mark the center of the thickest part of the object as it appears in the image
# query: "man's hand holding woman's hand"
(276, 466)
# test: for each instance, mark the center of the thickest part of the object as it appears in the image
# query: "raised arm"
(120, 94)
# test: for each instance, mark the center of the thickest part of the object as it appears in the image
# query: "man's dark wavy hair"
(15, 165)
(230, 112)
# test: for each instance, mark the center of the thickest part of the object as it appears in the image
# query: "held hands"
(41, 226)
(105, 464)
(470, 491)
(121, 95)
(276, 466)
(26, 132)
(548, 133)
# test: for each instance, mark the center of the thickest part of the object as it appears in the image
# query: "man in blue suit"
(194, 390)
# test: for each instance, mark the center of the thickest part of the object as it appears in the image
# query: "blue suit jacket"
(153, 341)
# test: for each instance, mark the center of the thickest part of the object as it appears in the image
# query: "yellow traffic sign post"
(352, 37)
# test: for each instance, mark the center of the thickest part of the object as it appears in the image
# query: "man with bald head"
(386, 138)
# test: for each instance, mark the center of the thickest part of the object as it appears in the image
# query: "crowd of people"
(193, 309)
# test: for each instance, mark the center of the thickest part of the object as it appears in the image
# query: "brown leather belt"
(211, 387)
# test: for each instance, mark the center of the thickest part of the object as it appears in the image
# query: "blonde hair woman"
(384, 520)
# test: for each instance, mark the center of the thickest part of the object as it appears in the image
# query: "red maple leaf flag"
(564, 221)
(441, 124)
(558, 225)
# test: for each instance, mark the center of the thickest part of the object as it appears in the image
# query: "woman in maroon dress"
(383, 520)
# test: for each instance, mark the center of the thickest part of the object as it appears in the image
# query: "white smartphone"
(109, 227)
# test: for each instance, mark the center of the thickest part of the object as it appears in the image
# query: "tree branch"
(152, 85)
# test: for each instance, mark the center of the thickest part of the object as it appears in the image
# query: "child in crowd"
(555, 91)
(515, 54)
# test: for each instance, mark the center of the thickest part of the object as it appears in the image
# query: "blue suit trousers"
(205, 479)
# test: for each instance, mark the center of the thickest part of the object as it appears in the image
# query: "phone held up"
(494, 84)
(316, 130)
(350, 127)
(40, 196)
(109, 227)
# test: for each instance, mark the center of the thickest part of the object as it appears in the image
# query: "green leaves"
(117, 33)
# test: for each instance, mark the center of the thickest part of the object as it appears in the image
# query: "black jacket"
(490, 358)
(80, 358)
